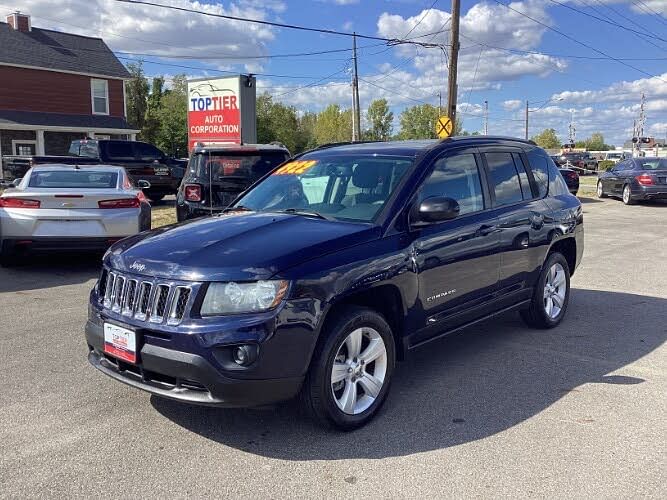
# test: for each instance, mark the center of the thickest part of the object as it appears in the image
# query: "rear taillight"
(192, 192)
(19, 203)
(120, 203)
(644, 180)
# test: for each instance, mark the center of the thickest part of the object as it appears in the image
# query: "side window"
(456, 177)
(118, 150)
(523, 177)
(147, 152)
(556, 182)
(540, 168)
(504, 178)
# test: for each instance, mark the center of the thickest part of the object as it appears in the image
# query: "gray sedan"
(69, 207)
(636, 179)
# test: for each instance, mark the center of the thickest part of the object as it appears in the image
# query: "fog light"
(244, 355)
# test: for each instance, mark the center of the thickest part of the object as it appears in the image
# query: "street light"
(528, 110)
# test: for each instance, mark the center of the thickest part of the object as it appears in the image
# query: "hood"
(234, 247)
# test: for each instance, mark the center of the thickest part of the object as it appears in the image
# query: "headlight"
(230, 298)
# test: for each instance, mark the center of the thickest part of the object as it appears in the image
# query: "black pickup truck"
(140, 159)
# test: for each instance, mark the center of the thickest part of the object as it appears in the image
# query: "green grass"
(587, 185)
(163, 215)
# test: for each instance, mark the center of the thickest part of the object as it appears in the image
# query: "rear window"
(248, 166)
(84, 148)
(653, 164)
(119, 150)
(74, 179)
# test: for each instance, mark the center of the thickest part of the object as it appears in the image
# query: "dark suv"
(334, 266)
(216, 175)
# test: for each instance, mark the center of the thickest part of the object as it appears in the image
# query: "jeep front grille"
(144, 299)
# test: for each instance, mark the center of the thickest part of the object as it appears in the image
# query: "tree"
(380, 120)
(173, 115)
(418, 122)
(594, 143)
(277, 122)
(137, 95)
(150, 130)
(547, 139)
(333, 125)
(306, 137)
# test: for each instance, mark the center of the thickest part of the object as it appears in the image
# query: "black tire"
(600, 190)
(317, 393)
(628, 200)
(536, 315)
(155, 196)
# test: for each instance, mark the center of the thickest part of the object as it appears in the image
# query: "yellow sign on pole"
(444, 127)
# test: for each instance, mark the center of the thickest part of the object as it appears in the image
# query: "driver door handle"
(485, 229)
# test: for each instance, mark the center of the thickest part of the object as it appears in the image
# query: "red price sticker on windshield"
(295, 167)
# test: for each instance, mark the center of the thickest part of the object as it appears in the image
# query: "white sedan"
(68, 207)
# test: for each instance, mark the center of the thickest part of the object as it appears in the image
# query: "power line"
(620, 14)
(660, 17)
(394, 92)
(583, 44)
(394, 41)
(310, 85)
(617, 25)
(474, 77)
(422, 18)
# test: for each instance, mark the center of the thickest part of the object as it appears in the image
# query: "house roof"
(10, 119)
(57, 51)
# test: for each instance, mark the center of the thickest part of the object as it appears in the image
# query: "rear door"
(521, 214)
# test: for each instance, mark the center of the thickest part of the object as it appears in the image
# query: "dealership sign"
(214, 110)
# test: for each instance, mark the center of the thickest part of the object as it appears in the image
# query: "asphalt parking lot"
(499, 411)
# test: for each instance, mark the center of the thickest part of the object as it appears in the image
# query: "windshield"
(84, 148)
(345, 187)
(74, 179)
(653, 164)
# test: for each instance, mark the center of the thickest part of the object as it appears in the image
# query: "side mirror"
(435, 209)
(142, 184)
(16, 182)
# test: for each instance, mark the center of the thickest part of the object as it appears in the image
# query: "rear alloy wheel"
(600, 190)
(627, 195)
(351, 370)
(552, 294)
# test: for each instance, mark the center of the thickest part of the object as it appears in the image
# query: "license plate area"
(121, 343)
(161, 171)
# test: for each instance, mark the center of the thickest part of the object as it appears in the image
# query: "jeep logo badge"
(137, 266)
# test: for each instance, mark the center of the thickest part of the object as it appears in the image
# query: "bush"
(604, 165)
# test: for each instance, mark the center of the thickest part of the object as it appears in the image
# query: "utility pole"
(439, 103)
(486, 117)
(526, 119)
(640, 126)
(453, 61)
(572, 131)
(356, 129)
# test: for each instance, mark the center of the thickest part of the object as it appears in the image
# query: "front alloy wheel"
(351, 369)
(359, 370)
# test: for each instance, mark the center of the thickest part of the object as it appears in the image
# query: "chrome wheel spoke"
(558, 301)
(348, 400)
(353, 343)
(371, 385)
(549, 306)
(374, 350)
(339, 372)
(559, 279)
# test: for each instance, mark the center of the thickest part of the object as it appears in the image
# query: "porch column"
(133, 137)
(90, 134)
(40, 142)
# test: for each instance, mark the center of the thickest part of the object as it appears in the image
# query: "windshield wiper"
(238, 208)
(305, 212)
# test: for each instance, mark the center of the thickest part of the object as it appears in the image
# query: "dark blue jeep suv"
(331, 268)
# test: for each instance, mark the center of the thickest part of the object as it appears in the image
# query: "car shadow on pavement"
(37, 271)
(462, 388)
(585, 199)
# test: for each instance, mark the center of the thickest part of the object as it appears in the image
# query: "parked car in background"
(616, 156)
(571, 179)
(635, 179)
(331, 268)
(578, 160)
(63, 207)
(217, 174)
(141, 160)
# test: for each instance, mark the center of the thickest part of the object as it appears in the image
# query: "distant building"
(56, 87)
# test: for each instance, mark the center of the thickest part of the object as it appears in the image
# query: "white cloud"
(348, 25)
(163, 32)
(512, 104)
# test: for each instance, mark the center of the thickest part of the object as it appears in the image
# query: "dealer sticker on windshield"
(120, 342)
(295, 167)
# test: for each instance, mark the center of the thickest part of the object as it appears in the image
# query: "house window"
(24, 148)
(99, 90)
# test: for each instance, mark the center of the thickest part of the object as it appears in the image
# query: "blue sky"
(505, 58)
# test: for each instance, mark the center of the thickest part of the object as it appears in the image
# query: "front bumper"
(186, 376)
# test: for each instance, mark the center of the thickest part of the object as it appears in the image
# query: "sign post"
(222, 110)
